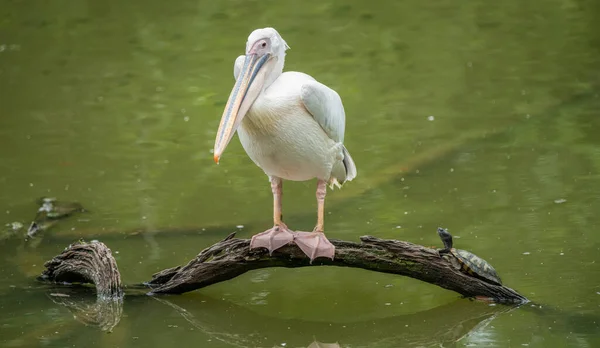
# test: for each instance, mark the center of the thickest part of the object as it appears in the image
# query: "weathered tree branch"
(93, 262)
(83, 262)
(232, 257)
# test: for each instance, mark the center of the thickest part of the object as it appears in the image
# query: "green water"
(115, 104)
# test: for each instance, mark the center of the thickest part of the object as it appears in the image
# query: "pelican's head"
(267, 41)
(263, 63)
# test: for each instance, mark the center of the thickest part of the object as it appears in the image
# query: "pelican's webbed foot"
(273, 238)
(314, 244)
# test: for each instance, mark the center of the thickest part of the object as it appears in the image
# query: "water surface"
(479, 117)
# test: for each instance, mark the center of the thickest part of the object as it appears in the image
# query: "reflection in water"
(240, 327)
(89, 309)
(462, 321)
(478, 336)
(317, 344)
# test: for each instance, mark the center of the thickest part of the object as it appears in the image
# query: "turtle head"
(446, 238)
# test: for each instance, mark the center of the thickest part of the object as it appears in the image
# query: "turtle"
(468, 262)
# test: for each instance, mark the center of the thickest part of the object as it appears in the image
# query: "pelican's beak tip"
(216, 158)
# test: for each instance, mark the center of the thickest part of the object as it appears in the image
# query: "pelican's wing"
(237, 66)
(325, 106)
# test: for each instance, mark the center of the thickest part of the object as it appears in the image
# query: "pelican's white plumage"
(304, 143)
(290, 125)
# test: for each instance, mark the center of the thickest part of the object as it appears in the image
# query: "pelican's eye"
(260, 47)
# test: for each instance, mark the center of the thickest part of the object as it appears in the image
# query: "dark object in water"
(50, 212)
(469, 263)
(38, 226)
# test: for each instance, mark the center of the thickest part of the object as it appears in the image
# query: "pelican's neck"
(276, 72)
(255, 116)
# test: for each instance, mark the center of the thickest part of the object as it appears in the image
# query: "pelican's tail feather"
(349, 164)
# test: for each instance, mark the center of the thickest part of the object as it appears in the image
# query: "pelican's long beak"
(247, 87)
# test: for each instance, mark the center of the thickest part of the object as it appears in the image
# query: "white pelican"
(292, 127)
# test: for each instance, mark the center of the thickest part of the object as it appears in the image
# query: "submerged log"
(50, 212)
(83, 262)
(233, 257)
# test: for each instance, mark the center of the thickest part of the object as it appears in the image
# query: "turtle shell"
(476, 266)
